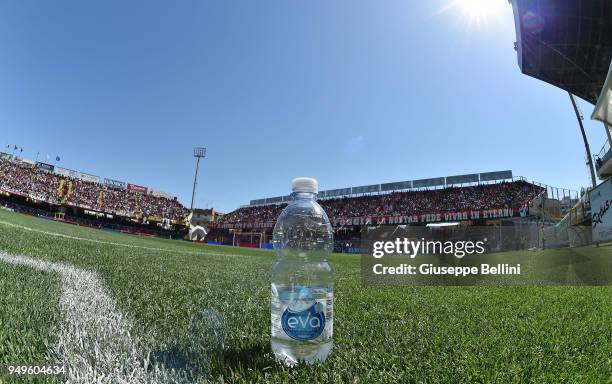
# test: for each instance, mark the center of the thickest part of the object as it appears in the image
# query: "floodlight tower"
(580, 117)
(198, 153)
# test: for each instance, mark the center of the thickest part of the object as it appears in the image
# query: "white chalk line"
(94, 342)
(62, 235)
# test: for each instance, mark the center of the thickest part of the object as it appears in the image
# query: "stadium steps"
(101, 199)
(69, 192)
(60, 188)
(138, 209)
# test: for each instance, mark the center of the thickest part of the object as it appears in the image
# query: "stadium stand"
(477, 204)
(506, 195)
(20, 179)
(30, 189)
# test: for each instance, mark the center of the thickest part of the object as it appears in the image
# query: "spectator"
(24, 179)
(478, 197)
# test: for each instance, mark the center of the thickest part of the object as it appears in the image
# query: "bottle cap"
(305, 184)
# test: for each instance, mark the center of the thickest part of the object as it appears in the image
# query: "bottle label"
(302, 313)
(304, 325)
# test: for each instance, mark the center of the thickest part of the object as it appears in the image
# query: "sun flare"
(476, 12)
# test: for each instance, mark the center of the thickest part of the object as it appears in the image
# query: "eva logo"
(304, 325)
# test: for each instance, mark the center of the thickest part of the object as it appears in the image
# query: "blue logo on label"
(304, 325)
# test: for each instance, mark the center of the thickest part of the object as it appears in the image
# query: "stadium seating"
(478, 197)
(23, 180)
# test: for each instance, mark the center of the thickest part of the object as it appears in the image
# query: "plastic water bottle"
(302, 279)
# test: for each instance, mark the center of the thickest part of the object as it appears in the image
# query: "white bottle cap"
(305, 184)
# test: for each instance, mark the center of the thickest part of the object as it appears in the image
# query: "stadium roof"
(603, 109)
(567, 43)
(399, 186)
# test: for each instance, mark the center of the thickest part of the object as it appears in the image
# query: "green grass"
(382, 334)
(28, 315)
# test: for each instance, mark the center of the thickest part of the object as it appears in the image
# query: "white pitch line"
(114, 243)
(94, 343)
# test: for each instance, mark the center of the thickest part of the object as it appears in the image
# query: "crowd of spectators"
(25, 179)
(20, 178)
(255, 214)
(453, 199)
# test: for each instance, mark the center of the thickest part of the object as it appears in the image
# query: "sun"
(478, 8)
(476, 12)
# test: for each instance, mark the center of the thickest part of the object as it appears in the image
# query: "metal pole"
(586, 141)
(195, 181)
(500, 235)
(608, 134)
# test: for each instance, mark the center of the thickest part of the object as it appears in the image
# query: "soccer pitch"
(161, 291)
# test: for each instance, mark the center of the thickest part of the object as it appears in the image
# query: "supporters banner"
(5, 156)
(114, 183)
(482, 214)
(66, 172)
(90, 178)
(427, 217)
(137, 188)
(247, 225)
(45, 167)
(601, 202)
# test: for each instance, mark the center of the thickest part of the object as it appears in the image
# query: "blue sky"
(349, 92)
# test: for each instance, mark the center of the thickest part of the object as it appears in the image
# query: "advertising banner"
(137, 188)
(90, 178)
(114, 183)
(45, 167)
(65, 172)
(601, 202)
